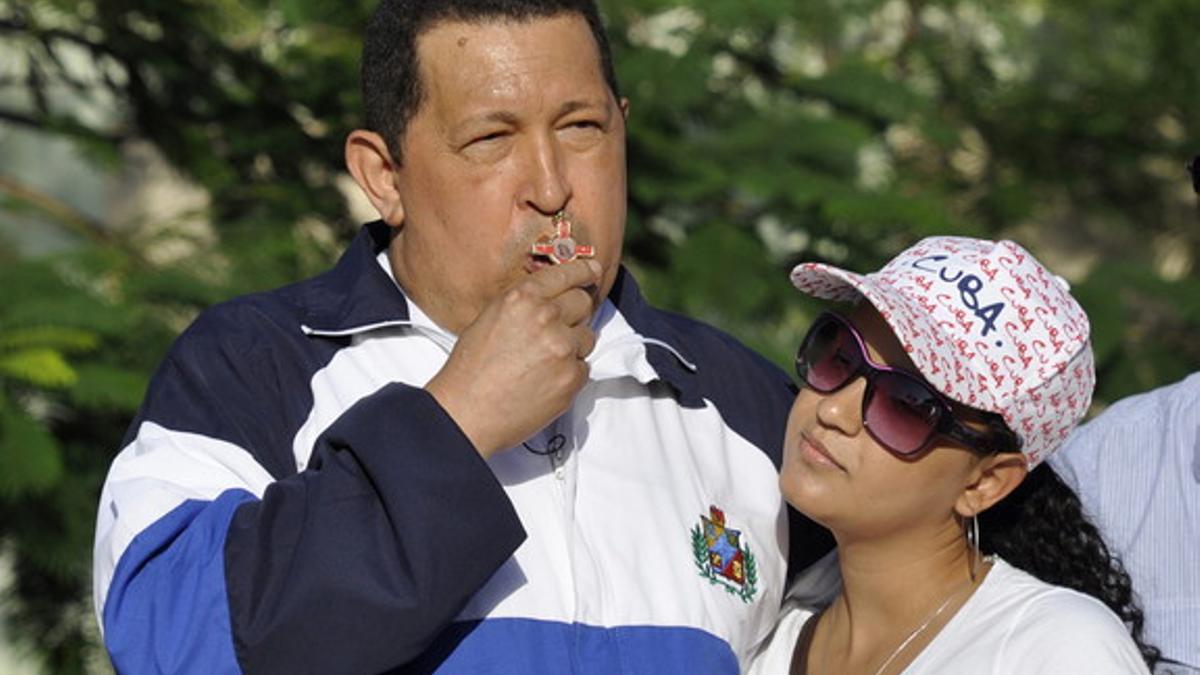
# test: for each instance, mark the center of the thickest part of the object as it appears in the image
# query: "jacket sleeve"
(210, 558)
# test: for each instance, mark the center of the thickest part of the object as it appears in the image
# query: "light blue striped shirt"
(1136, 468)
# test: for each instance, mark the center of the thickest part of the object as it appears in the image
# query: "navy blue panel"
(356, 564)
(523, 646)
(357, 292)
(241, 376)
(241, 372)
(167, 610)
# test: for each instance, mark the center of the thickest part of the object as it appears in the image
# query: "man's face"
(516, 124)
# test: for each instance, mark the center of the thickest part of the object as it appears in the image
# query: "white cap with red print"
(987, 325)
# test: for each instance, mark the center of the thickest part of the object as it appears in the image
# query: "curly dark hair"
(1042, 529)
(391, 81)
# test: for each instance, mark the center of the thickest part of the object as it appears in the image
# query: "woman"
(923, 415)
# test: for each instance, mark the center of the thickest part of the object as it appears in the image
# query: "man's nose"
(842, 410)
(547, 187)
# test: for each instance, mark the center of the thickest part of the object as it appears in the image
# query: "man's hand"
(520, 363)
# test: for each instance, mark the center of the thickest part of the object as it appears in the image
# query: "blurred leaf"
(109, 387)
(862, 89)
(52, 337)
(28, 453)
(38, 366)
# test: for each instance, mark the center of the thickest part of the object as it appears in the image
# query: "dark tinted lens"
(902, 413)
(829, 357)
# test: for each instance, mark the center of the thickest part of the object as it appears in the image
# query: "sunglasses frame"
(999, 438)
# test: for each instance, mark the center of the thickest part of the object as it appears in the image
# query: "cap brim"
(937, 360)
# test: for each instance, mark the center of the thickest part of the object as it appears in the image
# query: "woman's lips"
(814, 452)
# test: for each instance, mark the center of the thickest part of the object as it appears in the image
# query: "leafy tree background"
(763, 133)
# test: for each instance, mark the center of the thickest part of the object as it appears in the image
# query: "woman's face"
(836, 473)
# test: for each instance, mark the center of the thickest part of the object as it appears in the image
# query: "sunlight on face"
(517, 123)
(835, 472)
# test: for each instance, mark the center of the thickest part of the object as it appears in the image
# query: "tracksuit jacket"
(290, 500)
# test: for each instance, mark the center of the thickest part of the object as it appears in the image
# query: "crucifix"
(562, 248)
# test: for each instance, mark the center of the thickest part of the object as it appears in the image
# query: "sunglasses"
(901, 411)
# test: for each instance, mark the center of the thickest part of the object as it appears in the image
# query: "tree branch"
(23, 120)
(45, 35)
(74, 219)
(51, 125)
(766, 70)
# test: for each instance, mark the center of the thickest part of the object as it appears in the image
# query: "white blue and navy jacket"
(290, 500)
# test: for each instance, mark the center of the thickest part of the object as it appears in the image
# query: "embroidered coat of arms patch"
(722, 557)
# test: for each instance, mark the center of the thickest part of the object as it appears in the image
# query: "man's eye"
(582, 132)
(494, 136)
(487, 147)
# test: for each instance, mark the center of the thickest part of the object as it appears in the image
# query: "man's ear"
(994, 478)
(370, 163)
(623, 104)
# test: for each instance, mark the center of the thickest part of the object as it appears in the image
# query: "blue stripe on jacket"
(170, 581)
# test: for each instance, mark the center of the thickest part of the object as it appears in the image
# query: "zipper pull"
(555, 450)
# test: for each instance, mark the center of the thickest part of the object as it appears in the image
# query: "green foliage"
(49, 337)
(56, 395)
(28, 453)
(1129, 304)
(857, 128)
(762, 133)
(103, 387)
(41, 367)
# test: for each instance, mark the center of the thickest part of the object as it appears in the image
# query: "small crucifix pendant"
(562, 248)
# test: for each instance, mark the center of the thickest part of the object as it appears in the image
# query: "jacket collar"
(358, 296)
(665, 340)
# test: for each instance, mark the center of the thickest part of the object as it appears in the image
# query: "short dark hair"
(391, 78)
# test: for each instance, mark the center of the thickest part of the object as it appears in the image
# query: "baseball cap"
(987, 325)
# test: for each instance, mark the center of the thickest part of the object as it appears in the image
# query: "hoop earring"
(973, 541)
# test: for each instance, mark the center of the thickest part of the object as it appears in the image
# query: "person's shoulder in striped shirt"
(1136, 468)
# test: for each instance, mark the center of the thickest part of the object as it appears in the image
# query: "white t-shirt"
(1013, 623)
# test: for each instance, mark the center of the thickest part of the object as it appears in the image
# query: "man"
(449, 453)
(1136, 468)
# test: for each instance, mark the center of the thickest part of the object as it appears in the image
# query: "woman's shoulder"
(809, 593)
(1031, 626)
(1031, 602)
(774, 656)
